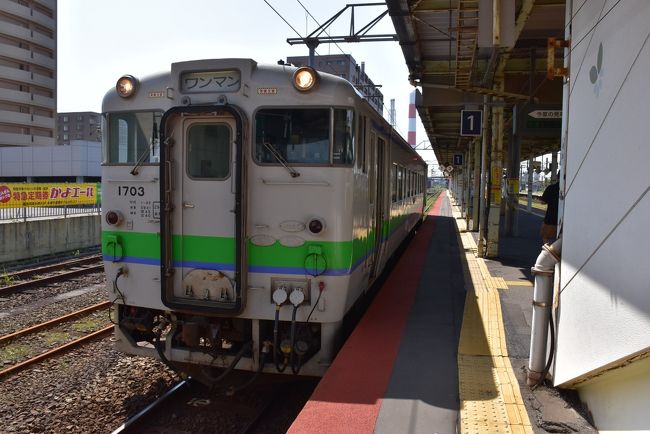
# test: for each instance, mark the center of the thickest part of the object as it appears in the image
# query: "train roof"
(237, 81)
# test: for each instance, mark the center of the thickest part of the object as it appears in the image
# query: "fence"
(31, 213)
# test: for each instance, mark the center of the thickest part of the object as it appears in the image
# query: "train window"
(132, 137)
(394, 179)
(362, 145)
(208, 151)
(406, 183)
(343, 149)
(372, 172)
(299, 136)
(400, 183)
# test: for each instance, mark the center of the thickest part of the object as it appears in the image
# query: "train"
(246, 208)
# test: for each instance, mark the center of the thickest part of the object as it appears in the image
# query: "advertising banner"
(37, 195)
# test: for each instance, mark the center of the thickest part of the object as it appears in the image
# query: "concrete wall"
(619, 401)
(604, 314)
(23, 240)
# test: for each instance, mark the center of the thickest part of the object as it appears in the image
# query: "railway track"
(8, 338)
(257, 408)
(134, 422)
(81, 267)
(22, 274)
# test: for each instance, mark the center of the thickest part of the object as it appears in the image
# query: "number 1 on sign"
(471, 122)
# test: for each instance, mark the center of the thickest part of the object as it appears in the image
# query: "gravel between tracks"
(31, 296)
(93, 389)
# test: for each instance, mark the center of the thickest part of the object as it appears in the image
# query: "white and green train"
(246, 209)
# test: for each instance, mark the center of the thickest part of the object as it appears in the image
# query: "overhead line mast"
(314, 39)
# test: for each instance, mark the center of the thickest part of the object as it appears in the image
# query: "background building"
(78, 126)
(27, 72)
(79, 162)
(346, 67)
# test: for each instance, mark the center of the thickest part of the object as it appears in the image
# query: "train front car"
(244, 214)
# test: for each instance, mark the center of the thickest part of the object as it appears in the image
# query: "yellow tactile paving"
(489, 393)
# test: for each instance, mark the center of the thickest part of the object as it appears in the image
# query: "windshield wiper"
(293, 172)
(145, 154)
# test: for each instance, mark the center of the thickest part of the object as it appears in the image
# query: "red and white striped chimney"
(411, 134)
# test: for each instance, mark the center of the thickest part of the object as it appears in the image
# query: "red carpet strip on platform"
(348, 398)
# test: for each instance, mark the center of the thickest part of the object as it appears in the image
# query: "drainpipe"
(543, 271)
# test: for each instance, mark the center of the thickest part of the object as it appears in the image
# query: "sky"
(99, 41)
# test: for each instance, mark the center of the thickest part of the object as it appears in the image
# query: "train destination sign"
(210, 81)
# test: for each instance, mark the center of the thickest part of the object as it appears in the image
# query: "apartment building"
(78, 126)
(27, 72)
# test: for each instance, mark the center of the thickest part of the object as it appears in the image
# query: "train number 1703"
(125, 190)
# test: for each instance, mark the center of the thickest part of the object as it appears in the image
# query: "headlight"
(126, 86)
(305, 78)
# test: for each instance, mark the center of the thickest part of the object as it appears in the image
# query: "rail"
(51, 279)
(57, 350)
(26, 273)
(33, 213)
(129, 425)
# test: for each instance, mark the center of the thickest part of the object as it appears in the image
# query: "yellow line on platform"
(490, 399)
(519, 283)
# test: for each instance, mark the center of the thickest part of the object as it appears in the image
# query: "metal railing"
(32, 213)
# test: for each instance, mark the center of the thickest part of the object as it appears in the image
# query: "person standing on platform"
(550, 197)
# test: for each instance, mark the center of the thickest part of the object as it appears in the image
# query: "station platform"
(444, 345)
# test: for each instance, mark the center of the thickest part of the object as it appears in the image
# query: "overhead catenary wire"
(344, 53)
(283, 19)
(296, 31)
(383, 105)
(320, 25)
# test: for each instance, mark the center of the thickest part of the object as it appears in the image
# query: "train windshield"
(132, 138)
(304, 136)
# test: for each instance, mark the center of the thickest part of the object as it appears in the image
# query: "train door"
(203, 233)
(377, 162)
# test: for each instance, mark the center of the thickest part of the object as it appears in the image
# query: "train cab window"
(305, 136)
(299, 136)
(343, 149)
(208, 151)
(132, 137)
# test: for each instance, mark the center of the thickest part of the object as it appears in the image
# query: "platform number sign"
(458, 159)
(471, 122)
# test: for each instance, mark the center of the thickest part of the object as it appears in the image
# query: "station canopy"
(453, 57)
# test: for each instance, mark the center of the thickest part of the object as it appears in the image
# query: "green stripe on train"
(222, 250)
(339, 255)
